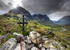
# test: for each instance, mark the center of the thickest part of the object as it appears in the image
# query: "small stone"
(40, 45)
(42, 48)
(27, 39)
(34, 48)
(23, 46)
(18, 47)
(19, 37)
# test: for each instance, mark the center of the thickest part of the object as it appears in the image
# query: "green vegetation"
(8, 25)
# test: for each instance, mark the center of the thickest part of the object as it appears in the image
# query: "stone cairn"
(32, 42)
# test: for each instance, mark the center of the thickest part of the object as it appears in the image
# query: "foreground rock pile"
(32, 42)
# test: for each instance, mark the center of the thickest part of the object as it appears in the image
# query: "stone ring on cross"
(22, 22)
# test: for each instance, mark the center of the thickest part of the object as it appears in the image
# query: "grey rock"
(34, 48)
(35, 37)
(27, 39)
(19, 37)
(10, 44)
(34, 34)
(18, 47)
(23, 46)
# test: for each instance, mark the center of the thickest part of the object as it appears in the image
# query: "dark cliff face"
(65, 20)
(43, 19)
(40, 17)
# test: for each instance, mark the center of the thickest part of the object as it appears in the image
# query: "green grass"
(8, 25)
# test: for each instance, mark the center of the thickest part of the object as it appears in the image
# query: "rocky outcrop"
(10, 44)
(32, 42)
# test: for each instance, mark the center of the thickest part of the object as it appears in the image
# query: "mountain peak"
(19, 10)
(22, 11)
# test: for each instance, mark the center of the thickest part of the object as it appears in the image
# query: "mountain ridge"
(19, 11)
(65, 20)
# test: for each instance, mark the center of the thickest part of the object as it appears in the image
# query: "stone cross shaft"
(23, 23)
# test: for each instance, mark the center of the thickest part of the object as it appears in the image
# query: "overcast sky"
(55, 9)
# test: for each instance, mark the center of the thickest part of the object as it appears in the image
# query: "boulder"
(30, 46)
(27, 39)
(18, 47)
(40, 45)
(37, 41)
(35, 37)
(34, 34)
(19, 37)
(42, 48)
(46, 44)
(10, 44)
(23, 46)
(34, 48)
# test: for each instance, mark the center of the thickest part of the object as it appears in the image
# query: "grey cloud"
(41, 6)
(38, 6)
(3, 6)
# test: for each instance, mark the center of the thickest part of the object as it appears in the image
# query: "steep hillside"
(18, 12)
(43, 19)
(65, 20)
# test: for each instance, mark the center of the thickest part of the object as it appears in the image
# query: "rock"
(37, 41)
(19, 37)
(42, 48)
(58, 45)
(44, 38)
(30, 46)
(4, 36)
(35, 37)
(34, 48)
(46, 31)
(40, 45)
(34, 34)
(46, 44)
(51, 33)
(18, 47)
(27, 39)
(51, 47)
(17, 34)
(10, 44)
(23, 46)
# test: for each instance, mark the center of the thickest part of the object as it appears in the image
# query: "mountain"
(54, 21)
(65, 20)
(43, 19)
(19, 10)
(17, 13)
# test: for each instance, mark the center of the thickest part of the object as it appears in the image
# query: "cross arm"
(22, 22)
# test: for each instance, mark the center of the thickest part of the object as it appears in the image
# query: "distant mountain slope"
(43, 19)
(65, 20)
(17, 13)
(19, 10)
